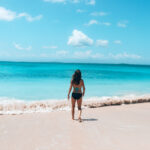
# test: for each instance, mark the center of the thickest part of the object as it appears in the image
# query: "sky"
(92, 31)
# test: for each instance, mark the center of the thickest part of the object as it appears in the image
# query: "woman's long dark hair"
(76, 77)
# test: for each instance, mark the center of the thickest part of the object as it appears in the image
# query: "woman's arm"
(83, 88)
(70, 88)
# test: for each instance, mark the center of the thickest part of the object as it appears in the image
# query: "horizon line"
(13, 61)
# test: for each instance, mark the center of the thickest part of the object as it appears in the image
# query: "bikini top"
(76, 89)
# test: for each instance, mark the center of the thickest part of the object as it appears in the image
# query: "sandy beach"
(124, 127)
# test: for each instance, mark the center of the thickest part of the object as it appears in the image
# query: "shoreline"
(17, 107)
(107, 128)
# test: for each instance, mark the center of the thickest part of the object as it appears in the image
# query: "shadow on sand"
(88, 119)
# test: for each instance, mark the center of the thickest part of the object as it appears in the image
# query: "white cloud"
(91, 22)
(90, 54)
(57, 54)
(124, 55)
(87, 2)
(9, 15)
(97, 55)
(55, 1)
(50, 47)
(117, 42)
(90, 2)
(122, 24)
(19, 47)
(87, 54)
(28, 17)
(80, 54)
(79, 39)
(6, 14)
(102, 43)
(99, 14)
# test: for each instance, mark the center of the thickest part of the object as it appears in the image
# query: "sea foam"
(16, 106)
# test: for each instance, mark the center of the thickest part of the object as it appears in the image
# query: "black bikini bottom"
(76, 95)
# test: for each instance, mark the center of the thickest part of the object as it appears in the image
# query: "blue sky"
(101, 31)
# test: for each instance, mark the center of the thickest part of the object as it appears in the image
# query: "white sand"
(124, 127)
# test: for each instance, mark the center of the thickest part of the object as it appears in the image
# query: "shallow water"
(28, 85)
(39, 81)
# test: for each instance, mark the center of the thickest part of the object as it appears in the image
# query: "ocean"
(47, 81)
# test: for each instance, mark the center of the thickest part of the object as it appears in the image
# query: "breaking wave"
(15, 106)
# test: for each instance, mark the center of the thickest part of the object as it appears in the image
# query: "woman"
(77, 83)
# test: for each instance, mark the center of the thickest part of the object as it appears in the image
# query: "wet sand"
(122, 127)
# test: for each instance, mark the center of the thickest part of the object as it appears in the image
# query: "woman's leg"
(79, 102)
(73, 106)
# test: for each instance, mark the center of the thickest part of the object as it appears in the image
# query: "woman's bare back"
(77, 88)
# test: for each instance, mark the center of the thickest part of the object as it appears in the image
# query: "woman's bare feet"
(80, 120)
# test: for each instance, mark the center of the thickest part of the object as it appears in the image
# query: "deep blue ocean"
(40, 81)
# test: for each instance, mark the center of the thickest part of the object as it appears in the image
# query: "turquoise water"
(39, 81)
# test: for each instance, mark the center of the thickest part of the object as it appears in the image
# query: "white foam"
(16, 106)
